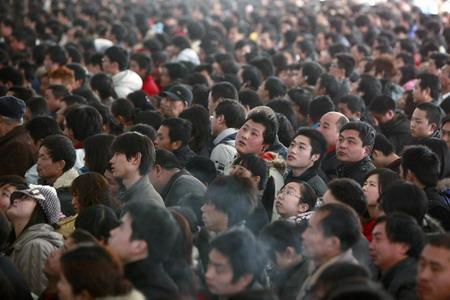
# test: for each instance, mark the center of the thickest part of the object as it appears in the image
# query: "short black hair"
(268, 119)
(405, 197)
(330, 84)
(58, 90)
(154, 225)
(366, 132)
(284, 107)
(11, 74)
(311, 72)
(145, 129)
(167, 160)
(433, 112)
(97, 149)
(347, 62)
(382, 104)
(256, 165)
(41, 127)
(440, 59)
(60, 148)
(249, 98)
(124, 108)
(144, 62)
(118, 55)
(264, 64)
(349, 192)
(354, 103)
(251, 76)
(383, 144)
(98, 220)
(232, 111)
(440, 240)
(38, 106)
(430, 81)
(245, 254)
(340, 221)
(179, 129)
(131, 143)
(223, 90)
(402, 228)
(319, 106)
(370, 87)
(423, 163)
(84, 121)
(78, 70)
(275, 87)
(406, 57)
(176, 70)
(301, 98)
(317, 141)
(280, 234)
(57, 54)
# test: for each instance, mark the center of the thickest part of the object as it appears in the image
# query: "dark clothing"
(400, 280)
(151, 279)
(184, 154)
(397, 131)
(257, 219)
(287, 283)
(17, 152)
(142, 190)
(329, 166)
(395, 165)
(438, 207)
(356, 171)
(311, 177)
(19, 287)
(278, 148)
(65, 198)
(179, 185)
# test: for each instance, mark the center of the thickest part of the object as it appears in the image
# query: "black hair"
(309, 195)
(440, 59)
(59, 148)
(405, 197)
(430, 81)
(349, 192)
(279, 235)
(132, 143)
(57, 54)
(330, 84)
(11, 74)
(167, 160)
(286, 108)
(123, 108)
(140, 100)
(433, 112)
(440, 240)
(275, 87)
(269, 120)
(104, 85)
(149, 117)
(144, 62)
(251, 76)
(72, 99)
(340, 221)
(347, 62)
(440, 148)
(179, 129)
(311, 72)
(78, 70)
(181, 42)
(202, 168)
(175, 70)
(41, 127)
(223, 90)
(249, 98)
(423, 163)
(370, 88)
(301, 98)
(21, 92)
(354, 103)
(84, 121)
(264, 65)
(319, 106)
(98, 220)
(145, 129)
(382, 104)
(317, 141)
(402, 228)
(117, 55)
(201, 127)
(256, 165)
(232, 111)
(366, 132)
(383, 144)
(406, 57)
(58, 90)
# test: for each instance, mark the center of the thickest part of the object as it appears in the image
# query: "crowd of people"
(224, 149)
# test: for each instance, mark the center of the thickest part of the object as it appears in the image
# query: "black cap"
(179, 92)
(12, 107)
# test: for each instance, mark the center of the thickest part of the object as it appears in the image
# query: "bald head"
(330, 125)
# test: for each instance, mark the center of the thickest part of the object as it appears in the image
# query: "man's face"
(328, 127)
(120, 238)
(343, 108)
(46, 167)
(445, 133)
(214, 219)
(162, 140)
(420, 95)
(263, 93)
(433, 279)
(250, 138)
(444, 78)
(299, 153)
(315, 244)
(121, 167)
(108, 66)
(419, 126)
(53, 103)
(383, 252)
(164, 77)
(134, 66)
(219, 276)
(170, 108)
(349, 147)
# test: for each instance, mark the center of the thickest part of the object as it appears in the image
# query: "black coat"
(356, 171)
(15, 280)
(400, 280)
(438, 207)
(287, 283)
(397, 131)
(328, 166)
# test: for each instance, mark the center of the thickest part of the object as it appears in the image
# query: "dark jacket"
(17, 152)
(151, 279)
(438, 207)
(400, 280)
(397, 131)
(356, 171)
(184, 154)
(287, 283)
(179, 185)
(329, 165)
(311, 177)
(19, 287)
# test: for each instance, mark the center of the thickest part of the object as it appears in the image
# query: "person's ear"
(390, 114)
(434, 127)
(244, 281)
(175, 145)
(139, 248)
(367, 151)
(256, 179)
(136, 159)
(303, 207)
(220, 119)
(61, 164)
(315, 157)
(158, 170)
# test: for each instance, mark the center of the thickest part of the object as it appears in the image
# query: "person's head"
(271, 88)
(440, 148)
(53, 96)
(81, 122)
(123, 111)
(166, 165)
(98, 220)
(258, 132)
(396, 236)
(35, 205)
(202, 168)
(170, 72)
(175, 100)
(404, 197)
(310, 73)
(173, 134)
(250, 77)
(115, 60)
(55, 57)
(97, 152)
(251, 166)
(201, 127)
(64, 76)
(41, 127)
(9, 184)
(353, 107)
(333, 229)
(294, 198)
(420, 166)
(342, 66)
(228, 114)
(36, 107)
(146, 231)
(133, 153)
(306, 149)
(445, 130)
(346, 191)
(383, 109)
(330, 125)
(142, 64)
(327, 85)
(427, 88)
(219, 92)
(318, 107)
(103, 85)
(355, 141)
(368, 88)
(249, 99)
(219, 213)
(433, 278)
(235, 261)
(425, 120)
(105, 277)
(56, 156)
(90, 189)
(281, 238)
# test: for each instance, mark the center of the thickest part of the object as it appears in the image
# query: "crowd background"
(224, 149)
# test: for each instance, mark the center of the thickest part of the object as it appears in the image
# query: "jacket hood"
(39, 231)
(126, 82)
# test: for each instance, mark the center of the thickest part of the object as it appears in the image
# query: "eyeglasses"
(288, 192)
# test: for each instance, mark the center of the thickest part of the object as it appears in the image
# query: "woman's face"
(371, 191)
(75, 202)
(241, 171)
(5, 196)
(21, 208)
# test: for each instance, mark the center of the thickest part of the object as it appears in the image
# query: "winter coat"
(142, 190)
(29, 253)
(180, 184)
(356, 171)
(126, 82)
(397, 131)
(19, 287)
(400, 280)
(287, 283)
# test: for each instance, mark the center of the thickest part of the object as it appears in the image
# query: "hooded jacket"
(29, 253)
(126, 82)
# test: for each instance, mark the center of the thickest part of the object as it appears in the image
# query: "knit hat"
(179, 92)
(47, 199)
(12, 107)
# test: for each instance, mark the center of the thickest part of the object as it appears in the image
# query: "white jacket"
(126, 82)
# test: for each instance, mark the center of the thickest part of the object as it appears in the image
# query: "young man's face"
(219, 276)
(315, 244)
(162, 140)
(445, 133)
(250, 138)
(299, 153)
(288, 200)
(384, 253)
(349, 147)
(420, 95)
(122, 167)
(53, 103)
(215, 220)
(420, 126)
(120, 238)
(164, 77)
(433, 279)
(172, 109)
(5, 196)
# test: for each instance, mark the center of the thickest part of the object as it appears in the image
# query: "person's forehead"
(292, 185)
(350, 133)
(446, 126)
(302, 139)
(437, 254)
(330, 118)
(255, 126)
(164, 130)
(418, 113)
(218, 258)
